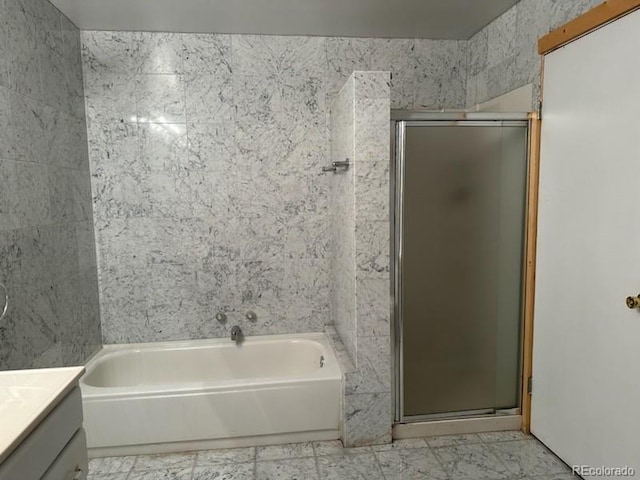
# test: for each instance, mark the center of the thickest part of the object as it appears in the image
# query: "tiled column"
(367, 400)
(343, 258)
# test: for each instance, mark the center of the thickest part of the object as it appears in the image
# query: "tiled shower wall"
(206, 153)
(47, 248)
(504, 55)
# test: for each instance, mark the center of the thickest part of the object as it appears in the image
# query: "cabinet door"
(72, 463)
(38, 451)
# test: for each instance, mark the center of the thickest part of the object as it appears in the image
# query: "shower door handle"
(6, 300)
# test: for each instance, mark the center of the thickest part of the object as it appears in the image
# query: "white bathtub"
(188, 395)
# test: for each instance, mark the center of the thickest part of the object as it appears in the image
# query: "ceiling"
(444, 19)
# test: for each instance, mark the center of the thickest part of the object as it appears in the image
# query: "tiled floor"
(500, 455)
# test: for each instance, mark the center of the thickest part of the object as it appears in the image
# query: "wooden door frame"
(597, 17)
(531, 235)
(603, 14)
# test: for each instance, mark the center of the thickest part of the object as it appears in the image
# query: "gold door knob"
(633, 302)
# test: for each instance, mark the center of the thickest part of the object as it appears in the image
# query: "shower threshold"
(458, 423)
(461, 414)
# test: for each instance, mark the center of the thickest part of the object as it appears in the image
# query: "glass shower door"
(461, 245)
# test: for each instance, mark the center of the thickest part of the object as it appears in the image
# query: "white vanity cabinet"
(41, 435)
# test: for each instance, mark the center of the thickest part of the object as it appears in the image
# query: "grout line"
(133, 465)
(135, 460)
(255, 462)
(128, 474)
(492, 445)
(499, 459)
(193, 467)
(315, 459)
(377, 461)
(438, 461)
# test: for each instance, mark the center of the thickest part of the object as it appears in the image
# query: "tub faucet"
(236, 333)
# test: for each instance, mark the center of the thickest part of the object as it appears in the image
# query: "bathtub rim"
(333, 370)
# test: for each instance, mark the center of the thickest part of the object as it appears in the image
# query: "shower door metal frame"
(400, 119)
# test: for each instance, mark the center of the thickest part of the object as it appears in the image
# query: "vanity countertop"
(27, 397)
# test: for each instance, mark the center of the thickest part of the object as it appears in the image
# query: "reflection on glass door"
(460, 269)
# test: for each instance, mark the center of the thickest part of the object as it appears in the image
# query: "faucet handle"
(221, 317)
(251, 316)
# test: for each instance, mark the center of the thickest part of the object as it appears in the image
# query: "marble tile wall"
(360, 267)
(504, 55)
(47, 247)
(206, 153)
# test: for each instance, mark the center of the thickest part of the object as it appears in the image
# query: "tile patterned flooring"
(484, 456)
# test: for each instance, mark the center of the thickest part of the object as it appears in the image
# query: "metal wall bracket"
(338, 166)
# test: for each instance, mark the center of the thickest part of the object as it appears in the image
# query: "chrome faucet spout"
(236, 333)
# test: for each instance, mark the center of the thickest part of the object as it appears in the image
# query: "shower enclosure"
(458, 230)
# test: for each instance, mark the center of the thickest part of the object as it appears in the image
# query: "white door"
(586, 362)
